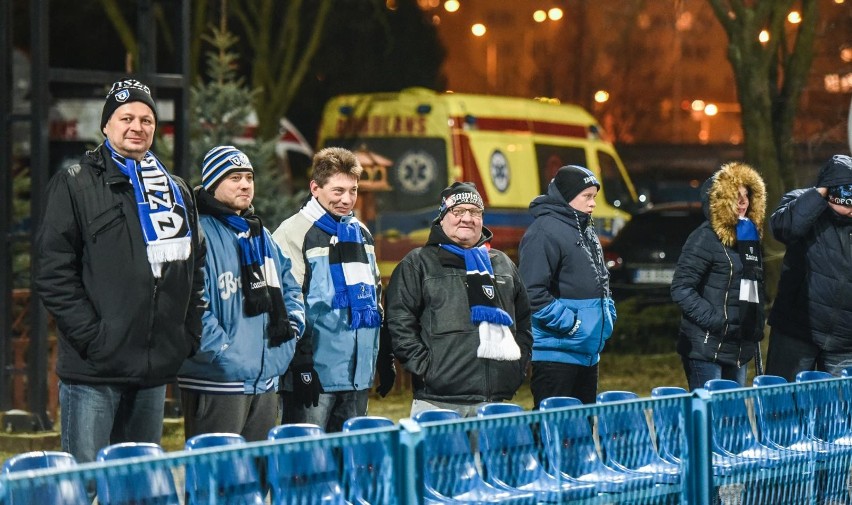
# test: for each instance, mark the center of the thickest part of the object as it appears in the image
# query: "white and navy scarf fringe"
(748, 246)
(495, 337)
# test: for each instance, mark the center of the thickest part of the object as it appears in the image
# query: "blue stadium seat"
(66, 491)
(450, 474)
(368, 466)
(667, 425)
(232, 478)
(828, 412)
(303, 476)
(138, 484)
(626, 441)
(510, 457)
(570, 449)
(732, 435)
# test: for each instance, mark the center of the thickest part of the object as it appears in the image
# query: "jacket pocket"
(106, 220)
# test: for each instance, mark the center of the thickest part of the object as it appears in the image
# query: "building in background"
(650, 71)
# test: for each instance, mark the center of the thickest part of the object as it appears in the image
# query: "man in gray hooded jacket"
(811, 318)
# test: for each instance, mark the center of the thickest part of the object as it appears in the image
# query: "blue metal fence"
(777, 443)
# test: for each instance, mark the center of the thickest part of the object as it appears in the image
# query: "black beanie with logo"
(456, 194)
(126, 91)
(571, 180)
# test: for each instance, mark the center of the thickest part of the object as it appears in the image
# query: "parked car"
(642, 257)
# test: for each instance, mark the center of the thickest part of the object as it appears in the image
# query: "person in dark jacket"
(811, 318)
(457, 312)
(119, 260)
(718, 281)
(562, 265)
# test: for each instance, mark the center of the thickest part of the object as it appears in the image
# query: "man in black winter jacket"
(458, 313)
(119, 261)
(811, 318)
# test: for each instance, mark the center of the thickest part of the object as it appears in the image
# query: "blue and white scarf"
(486, 312)
(162, 212)
(351, 273)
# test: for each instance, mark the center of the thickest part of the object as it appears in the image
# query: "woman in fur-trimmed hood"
(718, 282)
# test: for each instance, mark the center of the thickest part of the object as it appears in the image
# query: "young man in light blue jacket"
(256, 312)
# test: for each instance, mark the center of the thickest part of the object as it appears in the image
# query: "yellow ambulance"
(415, 142)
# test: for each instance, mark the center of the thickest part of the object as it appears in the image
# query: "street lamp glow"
(555, 14)
(601, 96)
(539, 16)
(846, 54)
(763, 37)
(710, 109)
(478, 29)
(794, 17)
(697, 105)
(451, 5)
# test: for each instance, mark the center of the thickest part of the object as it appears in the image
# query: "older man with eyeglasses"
(458, 313)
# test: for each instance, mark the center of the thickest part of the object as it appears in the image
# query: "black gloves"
(387, 375)
(385, 363)
(306, 385)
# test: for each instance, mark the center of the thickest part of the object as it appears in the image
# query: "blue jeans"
(699, 371)
(333, 409)
(789, 355)
(93, 416)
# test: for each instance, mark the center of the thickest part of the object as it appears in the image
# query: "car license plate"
(653, 276)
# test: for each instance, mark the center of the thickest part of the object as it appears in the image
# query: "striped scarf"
(258, 274)
(495, 337)
(353, 278)
(162, 212)
(748, 246)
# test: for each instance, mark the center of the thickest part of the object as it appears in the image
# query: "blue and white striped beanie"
(221, 161)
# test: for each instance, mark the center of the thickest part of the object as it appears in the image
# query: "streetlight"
(452, 5)
(539, 16)
(601, 96)
(555, 14)
(478, 29)
(763, 37)
(794, 17)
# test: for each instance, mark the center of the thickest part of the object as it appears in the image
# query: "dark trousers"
(550, 378)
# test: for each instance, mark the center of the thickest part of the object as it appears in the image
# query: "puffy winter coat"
(117, 322)
(814, 301)
(561, 263)
(706, 283)
(428, 316)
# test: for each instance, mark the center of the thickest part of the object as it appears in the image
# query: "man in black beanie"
(119, 262)
(457, 312)
(811, 318)
(562, 265)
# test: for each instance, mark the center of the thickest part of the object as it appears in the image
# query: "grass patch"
(631, 372)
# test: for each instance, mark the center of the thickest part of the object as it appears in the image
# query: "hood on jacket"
(719, 195)
(437, 236)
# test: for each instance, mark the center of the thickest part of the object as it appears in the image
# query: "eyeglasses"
(459, 212)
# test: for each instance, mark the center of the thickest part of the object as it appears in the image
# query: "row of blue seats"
(554, 461)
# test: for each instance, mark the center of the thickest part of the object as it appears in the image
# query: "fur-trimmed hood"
(719, 195)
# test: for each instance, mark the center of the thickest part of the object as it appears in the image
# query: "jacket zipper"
(725, 308)
(151, 320)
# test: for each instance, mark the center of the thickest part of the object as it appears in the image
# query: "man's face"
(338, 195)
(462, 226)
(130, 130)
(236, 191)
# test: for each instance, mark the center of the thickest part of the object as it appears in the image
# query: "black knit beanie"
(571, 180)
(456, 194)
(126, 91)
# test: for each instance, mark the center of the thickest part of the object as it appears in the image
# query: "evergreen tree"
(220, 109)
